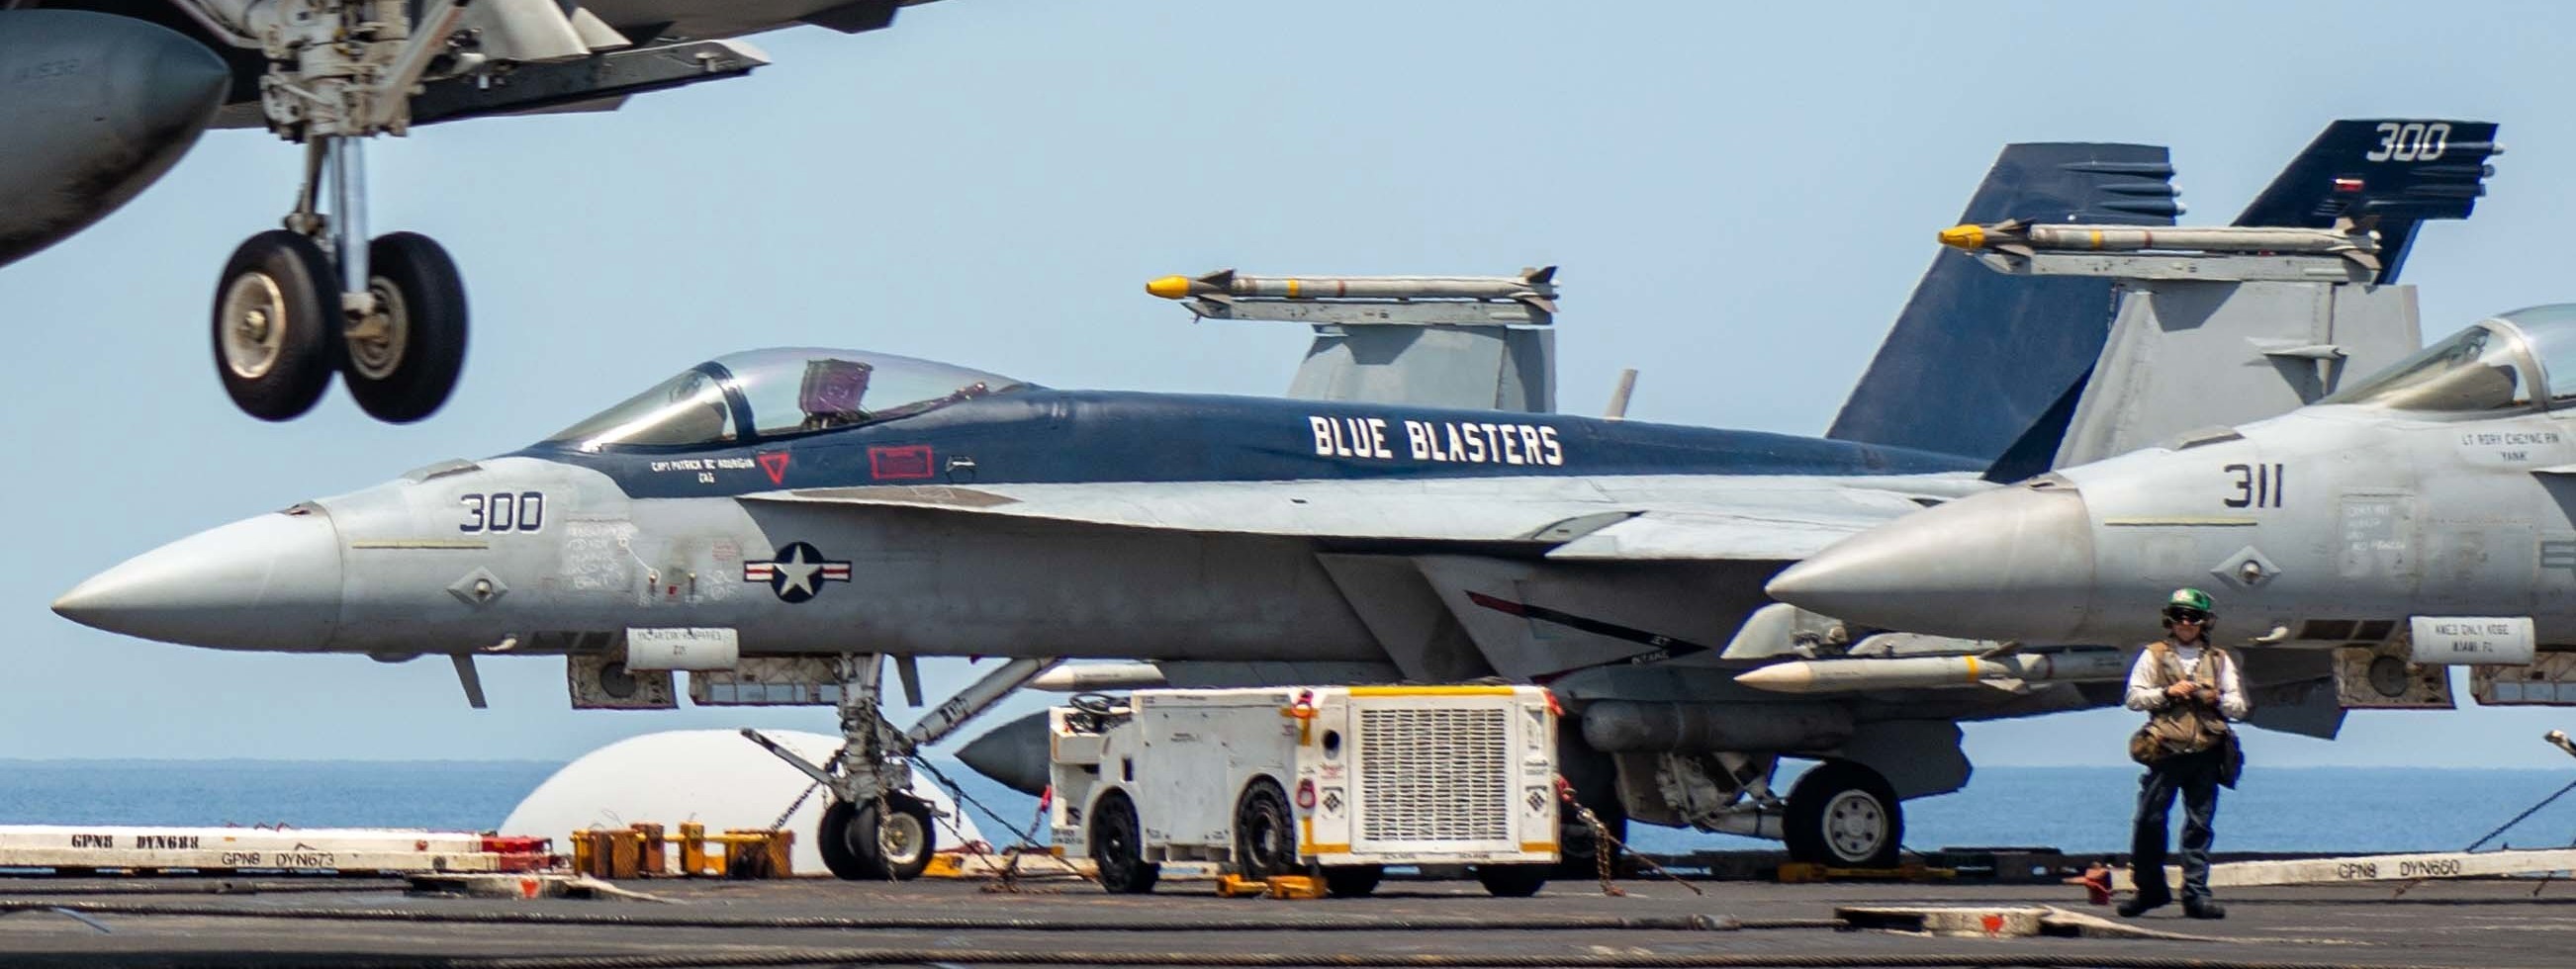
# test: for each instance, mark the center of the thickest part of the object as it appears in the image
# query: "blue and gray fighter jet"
(98, 98)
(778, 521)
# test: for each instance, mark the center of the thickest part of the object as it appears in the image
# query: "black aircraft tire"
(275, 312)
(407, 374)
(1118, 847)
(1844, 815)
(1352, 881)
(1265, 833)
(831, 838)
(1512, 881)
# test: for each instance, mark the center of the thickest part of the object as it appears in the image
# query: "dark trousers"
(2195, 776)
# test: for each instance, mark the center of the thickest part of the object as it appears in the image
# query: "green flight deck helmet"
(2185, 602)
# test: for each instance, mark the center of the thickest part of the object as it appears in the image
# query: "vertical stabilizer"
(2390, 173)
(1977, 358)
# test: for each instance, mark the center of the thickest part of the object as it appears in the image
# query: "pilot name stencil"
(1445, 442)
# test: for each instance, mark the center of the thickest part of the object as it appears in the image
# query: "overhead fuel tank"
(94, 108)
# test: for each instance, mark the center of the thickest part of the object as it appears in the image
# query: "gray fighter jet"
(99, 98)
(2423, 513)
(778, 522)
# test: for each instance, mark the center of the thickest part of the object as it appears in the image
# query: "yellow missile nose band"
(1169, 287)
(1964, 237)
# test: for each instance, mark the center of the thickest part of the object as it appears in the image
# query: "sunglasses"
(2195, 618)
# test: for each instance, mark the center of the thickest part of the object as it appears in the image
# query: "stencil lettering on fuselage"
(1436, 442)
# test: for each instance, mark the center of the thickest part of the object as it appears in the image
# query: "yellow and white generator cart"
(1336, 783)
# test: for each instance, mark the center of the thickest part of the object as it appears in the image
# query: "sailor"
(2189, 689)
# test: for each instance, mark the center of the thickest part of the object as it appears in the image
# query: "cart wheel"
(1512, 881)
(1118, 847)
(1352, 881)
(1265, 836)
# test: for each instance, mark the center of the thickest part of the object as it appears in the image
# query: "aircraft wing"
(1573, 518)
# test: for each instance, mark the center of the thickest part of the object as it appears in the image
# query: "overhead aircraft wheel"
(401, 362)
(1845, 815)
(831, 838)
(274, 313)
(1118, 847)
(1265, 834)
(1512, 881)
(1352, 881)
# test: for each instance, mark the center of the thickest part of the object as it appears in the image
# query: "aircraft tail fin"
(2392, 174)
(1978, 358)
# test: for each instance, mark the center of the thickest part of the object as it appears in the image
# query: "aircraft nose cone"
(271, 582)
(2010, 564)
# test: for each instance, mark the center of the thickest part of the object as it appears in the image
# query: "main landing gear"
(875, 828)
(296, 304)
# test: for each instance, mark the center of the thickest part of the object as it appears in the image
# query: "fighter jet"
(778, 521)
(100, 98)
(2426, 505)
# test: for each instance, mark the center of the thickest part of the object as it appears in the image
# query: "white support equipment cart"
(1329, 782)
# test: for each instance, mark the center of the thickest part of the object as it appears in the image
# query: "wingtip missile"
(1169, 287)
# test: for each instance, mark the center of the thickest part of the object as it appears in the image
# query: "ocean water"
(2339, 809)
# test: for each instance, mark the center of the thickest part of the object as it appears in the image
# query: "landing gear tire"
(859, 845)
(274, 320)
(831, 838)
(1512, 881)
(1352, 881)
(402, 362)
(1844, 815)
(1118, 847)
(1265, 834)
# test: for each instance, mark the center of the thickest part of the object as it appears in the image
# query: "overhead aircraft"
(100, 97)
(779, 521)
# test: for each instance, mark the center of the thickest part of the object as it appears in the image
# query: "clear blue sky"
(1741, 196)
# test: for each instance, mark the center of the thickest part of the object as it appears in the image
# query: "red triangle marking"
(774, 462)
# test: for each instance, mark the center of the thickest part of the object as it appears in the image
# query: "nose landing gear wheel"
(859, 845)
(273, 325)
(401, 362)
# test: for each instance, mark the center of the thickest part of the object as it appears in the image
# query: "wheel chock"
(1296, 886)
(1237, 886)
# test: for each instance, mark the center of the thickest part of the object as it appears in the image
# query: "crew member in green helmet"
(2189, 689)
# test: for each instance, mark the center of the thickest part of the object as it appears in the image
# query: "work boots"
(2202, 908)
(2140, 903)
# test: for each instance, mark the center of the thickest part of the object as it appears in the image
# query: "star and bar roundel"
(798, 573)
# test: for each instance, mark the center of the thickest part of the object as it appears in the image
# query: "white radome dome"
(713, 777)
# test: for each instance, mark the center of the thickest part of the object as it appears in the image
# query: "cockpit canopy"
(2515, 361)
(762, 395)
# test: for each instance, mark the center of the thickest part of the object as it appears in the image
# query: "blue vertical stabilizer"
(1978, 357)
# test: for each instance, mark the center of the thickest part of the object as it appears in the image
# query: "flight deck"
(810, 921)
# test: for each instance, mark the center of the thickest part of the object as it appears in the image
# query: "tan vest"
(2193, 725)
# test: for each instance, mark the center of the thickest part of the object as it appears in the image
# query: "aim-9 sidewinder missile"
(1535, 287)
(1912, 672)
(2023, 239)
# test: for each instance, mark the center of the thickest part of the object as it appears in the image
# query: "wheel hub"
(1855, 825)
(900, 838)
(376, 341)
(254, 325)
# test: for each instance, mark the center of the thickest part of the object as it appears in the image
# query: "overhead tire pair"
(859, 843)
(279, 331)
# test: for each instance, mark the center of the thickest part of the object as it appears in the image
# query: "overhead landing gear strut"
(875, 829)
